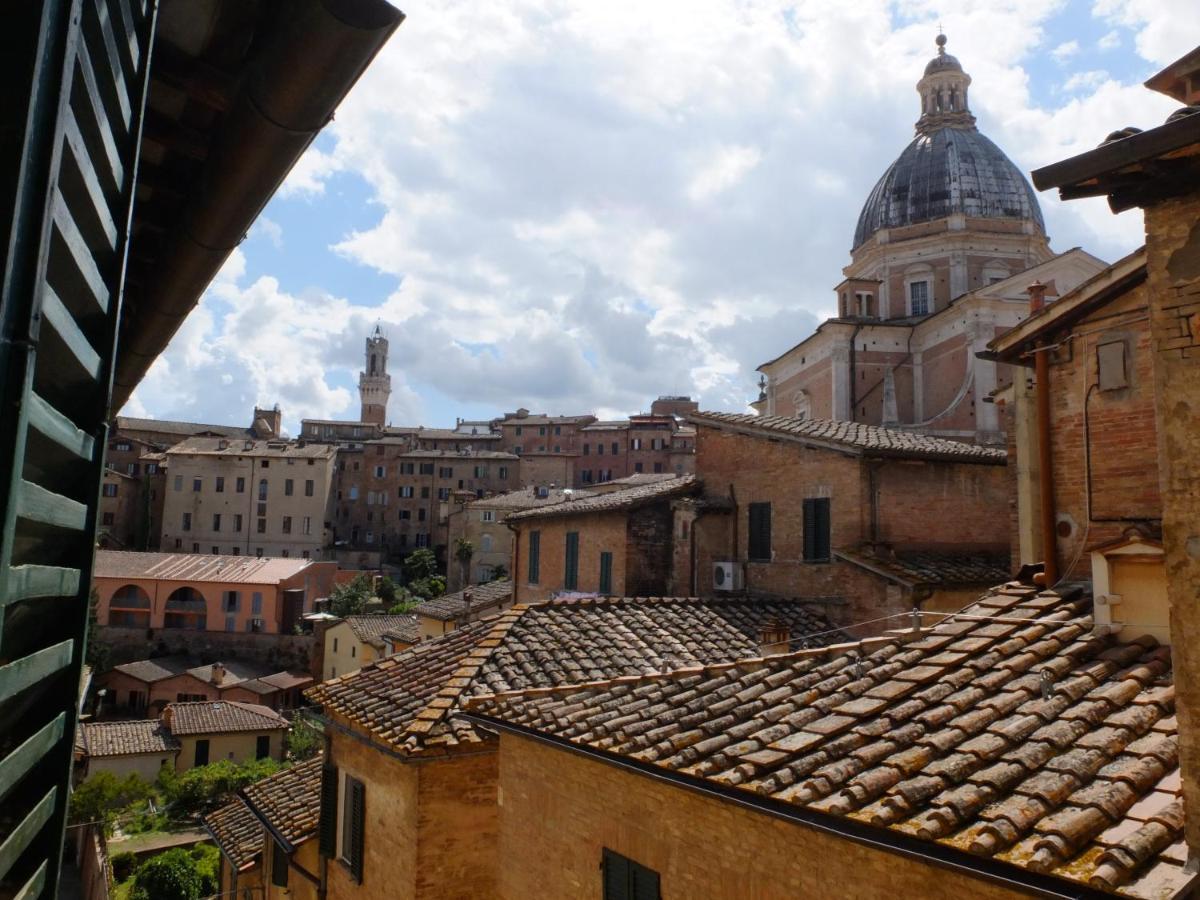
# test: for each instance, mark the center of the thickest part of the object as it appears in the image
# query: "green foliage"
(172, 875)
(407, 605)
(123, 864)
(207, 859)
(97, 652)
(349, 599)
(499, 573)
(419, 565)
(204, 788)
(386, 590)
(428, 588)
(101, 795)
(305, 738)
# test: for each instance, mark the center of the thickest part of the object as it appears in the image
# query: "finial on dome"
(940, 40)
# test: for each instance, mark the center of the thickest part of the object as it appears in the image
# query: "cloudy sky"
(578, 206)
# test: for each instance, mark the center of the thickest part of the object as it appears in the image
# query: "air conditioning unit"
(727, 576)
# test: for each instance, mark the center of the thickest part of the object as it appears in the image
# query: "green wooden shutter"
(823, 529)
(816, 529)
(615, 872)
(535, 556)
(279, 865)
(810, 529)
(643, 882)
(759, 515)
(606, 572)
(571, 563)
(328, 821)
(357, 827)
(76, 73)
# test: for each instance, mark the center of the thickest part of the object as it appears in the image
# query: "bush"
(208, 866)
(420, 564)
(304, 740)
(172, 875)
(123, 864)
(349, 599)
(101, 795)
(204, 788)
(428, 588)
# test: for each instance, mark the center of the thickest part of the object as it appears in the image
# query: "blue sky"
(576, 207)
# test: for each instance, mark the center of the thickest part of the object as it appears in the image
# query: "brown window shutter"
(357, 827)
(328, 822)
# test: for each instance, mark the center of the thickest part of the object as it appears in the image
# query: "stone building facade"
(390, 499)
(944, 247)
(877, 519)
(249, 497)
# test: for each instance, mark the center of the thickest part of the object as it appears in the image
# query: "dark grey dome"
(952, 170)
(943, 63)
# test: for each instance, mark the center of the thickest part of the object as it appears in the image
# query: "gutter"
(886, 840)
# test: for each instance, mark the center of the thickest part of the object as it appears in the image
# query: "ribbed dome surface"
(953, 170)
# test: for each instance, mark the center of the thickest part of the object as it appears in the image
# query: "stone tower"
(375, 384)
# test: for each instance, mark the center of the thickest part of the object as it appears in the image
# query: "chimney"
(218, 673)
(165, 716)
(774, 637)
(1037, 296)
(466, 607)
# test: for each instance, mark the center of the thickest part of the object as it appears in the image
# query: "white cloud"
(270, 229)
(1065, 51)
(1110, 41)
(587, 204)
(1166, 29)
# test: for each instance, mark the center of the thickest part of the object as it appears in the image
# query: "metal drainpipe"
(1041, 363)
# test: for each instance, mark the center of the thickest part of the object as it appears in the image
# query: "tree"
(463, 551)
(428, 588)
(349, 599)
(420, 564)
(204, 788)
(305, 738)
(386, 590)
(499, 572)
(172, 875)
(100, 797)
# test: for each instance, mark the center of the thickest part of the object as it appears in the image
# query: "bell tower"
(374, 383)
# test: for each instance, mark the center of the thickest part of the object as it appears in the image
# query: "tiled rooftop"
(167, 426)
(450, 607)
(126, 738)
(528, 498)
(370, 629)
(258, 447)
(871, 440)
(219, 716)
(237, 832)
(915, 567)
(289, 802)
(613, 501)
(1009, 731)
(409, 700)
(237, 672)
(196, 567)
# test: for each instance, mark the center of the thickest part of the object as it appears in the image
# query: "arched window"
(129, 608)
(186, 608)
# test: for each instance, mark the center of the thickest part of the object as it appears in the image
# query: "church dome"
(949, 167)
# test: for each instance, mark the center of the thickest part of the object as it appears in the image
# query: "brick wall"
(597, 533)
(1110, 432)
(646, 570)
(942, 505)
(560, 810)
(430, 826)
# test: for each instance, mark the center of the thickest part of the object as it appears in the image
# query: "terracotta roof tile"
(410, 700)
(126, 738)
(371, 628)
(613, 501)
(288, 802)
(927, 567)
(855, 436)
(218, 716)
(1073, 774)
(483, 597)
(237, 832)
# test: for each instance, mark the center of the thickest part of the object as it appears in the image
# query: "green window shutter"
(535, 556)
(357, 827)
(816, 529)
(279, 865)
(606, 573)
(643, 883)
(615, 869)
(759, 515)
(328, 822)
(571, 568)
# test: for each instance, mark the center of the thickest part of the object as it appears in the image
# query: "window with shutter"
(357, 793)
(606, 573)
(625, 879)
(760, 531)
(328, 821)
(817, 539)
(279, 865)
(571, 563)
(535, 556)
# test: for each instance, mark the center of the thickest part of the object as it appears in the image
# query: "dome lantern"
(943, 91)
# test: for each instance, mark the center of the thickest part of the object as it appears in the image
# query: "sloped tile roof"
(1009, 731)
(871, 440)
(219, 716)
(451, 606)
(237, 832)
(409, 700)
(288, 802)
(613, 501)
(168, 426)
(371, 628)
(527, 498)
(126, 738)
(929, 567)
(196, 567)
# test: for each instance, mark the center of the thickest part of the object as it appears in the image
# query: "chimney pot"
(1037, 296)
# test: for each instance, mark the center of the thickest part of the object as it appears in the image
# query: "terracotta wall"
(561, 810)
(597, 533)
